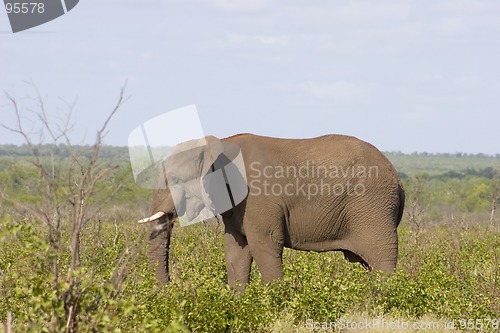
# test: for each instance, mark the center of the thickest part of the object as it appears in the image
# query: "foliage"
(64, 190)
(444, 164)
(453, 275)
(452, 272)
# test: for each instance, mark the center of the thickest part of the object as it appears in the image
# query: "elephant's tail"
(401, 193)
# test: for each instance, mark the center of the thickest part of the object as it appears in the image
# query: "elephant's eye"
(173, 178)
(188, 196)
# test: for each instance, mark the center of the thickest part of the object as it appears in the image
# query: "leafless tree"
(495, 198)
(66, 191)
(415, 206)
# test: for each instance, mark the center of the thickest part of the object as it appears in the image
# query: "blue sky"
(403, 75)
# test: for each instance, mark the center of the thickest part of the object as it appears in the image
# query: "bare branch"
(69, 199)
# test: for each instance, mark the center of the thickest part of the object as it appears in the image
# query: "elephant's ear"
(207, 157)
(210, 153)
(226, 186)
(179, 199)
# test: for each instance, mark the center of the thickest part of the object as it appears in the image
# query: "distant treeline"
(445, 165)
(109, 151)
(436, 165)
(425, 154)
(488, 173)
(62, 150)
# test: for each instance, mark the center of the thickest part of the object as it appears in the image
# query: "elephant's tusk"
(152, 217)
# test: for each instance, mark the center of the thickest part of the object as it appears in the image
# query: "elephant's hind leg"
(385, 257)
(372, 235)
(379, 252)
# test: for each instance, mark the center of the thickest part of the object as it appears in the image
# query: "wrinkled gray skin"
(361, 225)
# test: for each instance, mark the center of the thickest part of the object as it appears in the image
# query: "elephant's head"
(200, 179)
(186, 175)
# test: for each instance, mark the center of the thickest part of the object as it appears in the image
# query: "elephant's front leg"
(238, 259)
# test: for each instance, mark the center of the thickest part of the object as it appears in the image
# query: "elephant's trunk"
(159, 246)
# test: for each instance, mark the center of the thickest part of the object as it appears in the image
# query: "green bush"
(451, 275)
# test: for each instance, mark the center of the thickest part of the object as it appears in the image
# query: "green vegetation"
(443, 164)
(449, 263)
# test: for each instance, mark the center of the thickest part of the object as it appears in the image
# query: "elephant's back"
(334, 150)
(328, 151)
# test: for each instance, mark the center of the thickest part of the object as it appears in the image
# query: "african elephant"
(330, 193)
